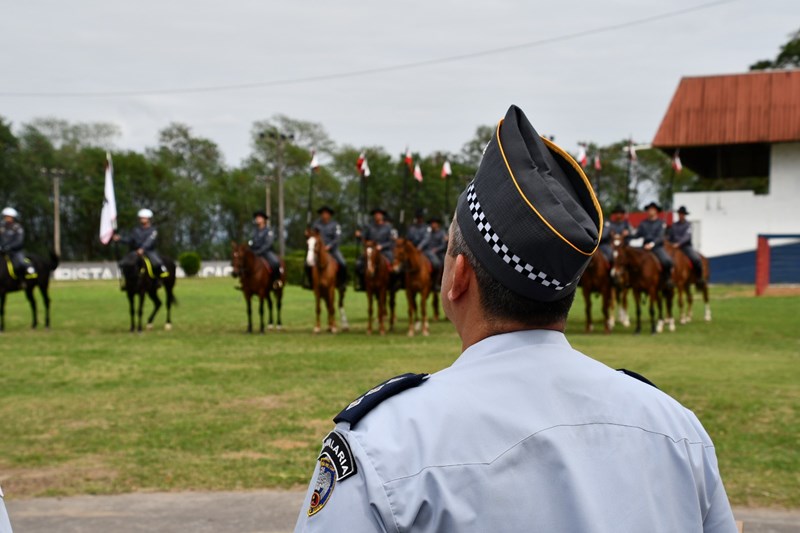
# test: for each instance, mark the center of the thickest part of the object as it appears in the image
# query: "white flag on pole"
(108, 217)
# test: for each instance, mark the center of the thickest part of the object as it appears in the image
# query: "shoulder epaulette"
(636, 375)
(362, 405)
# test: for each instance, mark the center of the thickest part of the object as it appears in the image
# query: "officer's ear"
(463, 276)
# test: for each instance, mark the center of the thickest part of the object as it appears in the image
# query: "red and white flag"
(408, 159)
(582, 155)
(314, 161)
(418, 173)
(108, 216)
(676, 163)
(597, 165)
(446, 170)
(362, 165)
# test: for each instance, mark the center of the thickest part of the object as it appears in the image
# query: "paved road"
(227, 512)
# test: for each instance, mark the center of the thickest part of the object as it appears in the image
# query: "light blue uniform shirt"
(5, 524)
(523, 433)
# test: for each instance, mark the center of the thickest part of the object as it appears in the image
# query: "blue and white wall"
(727, 224)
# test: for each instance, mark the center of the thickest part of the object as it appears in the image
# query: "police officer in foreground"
(331, 233)
(434, 246)
(12, 240)
(680, 235)
(418, 229)
(653, 230)
(617, 225)
(382, 233)
(5, 524)
(263, 241)
(521, 432)
(142, 243)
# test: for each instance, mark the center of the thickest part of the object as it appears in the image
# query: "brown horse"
(418, 280)
(258, 278)
(324, 280)
(597, 279)
(684, 275)
(377, 280)
(641, 271)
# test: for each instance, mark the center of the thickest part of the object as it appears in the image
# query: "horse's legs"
(623, 309)
(278, 303)
(168, 288)
(330, 301)
(392, 302)
(655, 301)
(707, 316)
(436, 305)
(131, 307)
(318, 297)
(382, 310)
(342, 314)
(638, 298)
(423, 303)
(587, 300)
(607, 316)
(412, 309)
(46, 299)
(248, 298)
(153, 294)
(369, 310)
(270, 323)
(32, 301)
(261, 313)
(140, 310)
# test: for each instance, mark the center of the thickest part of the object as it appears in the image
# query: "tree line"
(201, 204)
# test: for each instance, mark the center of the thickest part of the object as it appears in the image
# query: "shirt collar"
(510, 341)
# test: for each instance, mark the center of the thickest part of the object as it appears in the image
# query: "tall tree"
(788, 57)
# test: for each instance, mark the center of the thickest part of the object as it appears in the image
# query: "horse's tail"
(54, 260)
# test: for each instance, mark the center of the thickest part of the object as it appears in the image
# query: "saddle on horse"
(20, 267)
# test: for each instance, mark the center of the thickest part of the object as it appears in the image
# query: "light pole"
(279, 139)
(56, 174)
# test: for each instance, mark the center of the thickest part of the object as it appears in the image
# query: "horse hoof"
(149, 327)
(279, 327)
(411, 333)
(417, 326)
(270, 327)
(425, 333)
(168, 327)
(626, 323)
(333, 331)
(316, 331)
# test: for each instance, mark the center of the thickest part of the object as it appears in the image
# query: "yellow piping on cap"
(569, 159)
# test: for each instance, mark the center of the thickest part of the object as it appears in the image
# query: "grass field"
(88, 408)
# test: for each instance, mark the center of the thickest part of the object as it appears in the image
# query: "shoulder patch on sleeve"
(636, 375)
(336, 448)
(362, 405)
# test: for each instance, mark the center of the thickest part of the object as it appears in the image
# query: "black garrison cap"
(530, 216)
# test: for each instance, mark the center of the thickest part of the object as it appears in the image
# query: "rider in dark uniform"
(680, 235)
(434, 246)
(616, 225)
(331, 233)
(652, 230)
(12, 239)
(142, 243)
(263, 240)
(418, 230)
(383, 234)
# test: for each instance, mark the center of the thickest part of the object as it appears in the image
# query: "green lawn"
(89, 408)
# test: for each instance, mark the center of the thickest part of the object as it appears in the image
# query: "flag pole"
(310, 192)
(628, 176)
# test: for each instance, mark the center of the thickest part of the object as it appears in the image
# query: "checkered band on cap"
(519, 265)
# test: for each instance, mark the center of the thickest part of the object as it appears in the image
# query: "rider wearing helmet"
(142, 243)
(12, 238)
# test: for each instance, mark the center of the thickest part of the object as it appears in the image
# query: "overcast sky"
(599, 87)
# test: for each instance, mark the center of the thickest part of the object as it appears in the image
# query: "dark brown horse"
(139, 280)
(377, 280)
(596, 279)
(418, 280)
(9, 283)
(258, 279)
(684, 275)
(324, 281)
(641, 271)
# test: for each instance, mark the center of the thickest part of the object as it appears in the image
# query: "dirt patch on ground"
(246, 454)
(267, 403)
(66, 478)
(782, 290)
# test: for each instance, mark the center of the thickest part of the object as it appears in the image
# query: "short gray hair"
(501, 303)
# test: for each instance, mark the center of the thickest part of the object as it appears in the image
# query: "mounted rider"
(330, 232)
(142, 243)
(263, 241)
(617, 224)
(680, 234)
(12, 239)
(418, 229)
(652, 230)
(434, 246)
(383, 234)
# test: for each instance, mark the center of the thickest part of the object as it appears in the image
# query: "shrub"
(190, 263)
